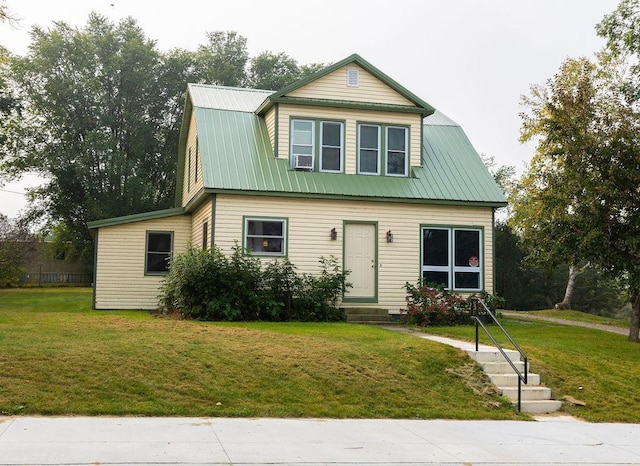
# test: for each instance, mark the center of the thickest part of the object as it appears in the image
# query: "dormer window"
(317, 145)
(395, 156)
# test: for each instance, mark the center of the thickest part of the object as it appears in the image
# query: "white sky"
(471, 59)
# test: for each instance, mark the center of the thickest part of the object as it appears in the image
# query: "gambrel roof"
(237, 155)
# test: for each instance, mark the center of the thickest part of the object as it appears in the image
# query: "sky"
(470, 59)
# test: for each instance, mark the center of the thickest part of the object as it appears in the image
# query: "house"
(346, 162)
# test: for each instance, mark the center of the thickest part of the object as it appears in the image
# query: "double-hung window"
(317, 145)
(396, 151)
(331, 146)
(383, 146)
(452, 257)
(265, 236)
(369, 149)
(158, 252)
(302, 143)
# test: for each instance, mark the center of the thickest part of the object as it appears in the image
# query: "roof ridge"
(231, 88)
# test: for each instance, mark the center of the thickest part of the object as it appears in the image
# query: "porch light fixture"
(334, 234)
(389, 237)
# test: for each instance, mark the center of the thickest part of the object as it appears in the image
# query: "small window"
(265, 236)
(397, 151)
(159, 249)
(331, 146)
(302, 143)
(452, 257)
(353, 77)
(205, 235)
(369, 149)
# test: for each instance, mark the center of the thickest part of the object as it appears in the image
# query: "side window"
(331, 146)
(369, 149)
(302, 143)
(396, 154)
(265, 237)
(452, 257)
(158, 252)
(205, 235)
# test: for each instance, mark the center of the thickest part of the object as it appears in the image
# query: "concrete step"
(539, 406)
(368, 315)
(483, 356)
(502, 367)
(511, 380)
(528, 393)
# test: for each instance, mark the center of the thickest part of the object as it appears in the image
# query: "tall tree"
(579, 201)
(98, 122)
(272, 71)
(223, 59)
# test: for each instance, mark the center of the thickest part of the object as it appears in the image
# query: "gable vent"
(353, 78)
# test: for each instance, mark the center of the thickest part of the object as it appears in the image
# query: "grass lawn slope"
(58, 357)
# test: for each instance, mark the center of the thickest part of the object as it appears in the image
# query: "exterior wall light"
(389, 237)
(334, 234)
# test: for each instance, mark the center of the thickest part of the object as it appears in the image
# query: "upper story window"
(371, 157)
(317, 145)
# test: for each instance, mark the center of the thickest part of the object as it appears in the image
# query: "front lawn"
(58, 357)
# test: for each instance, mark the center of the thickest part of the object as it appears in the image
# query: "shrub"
(207, 285)
(429, 304)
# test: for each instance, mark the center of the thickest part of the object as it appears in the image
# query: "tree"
(579, 201)
(272, 71)
(12, 234)
(223, 59)
(100, 123)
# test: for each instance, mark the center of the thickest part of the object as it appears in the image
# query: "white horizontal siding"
(310, 222)
(334, 86)
(200, 215)
(120, 282)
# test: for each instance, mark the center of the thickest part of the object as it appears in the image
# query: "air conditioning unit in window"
(303, 162)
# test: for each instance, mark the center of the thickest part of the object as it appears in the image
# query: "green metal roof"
(136, 218)
(237, 157)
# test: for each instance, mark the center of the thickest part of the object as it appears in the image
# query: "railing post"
(476, 319)
(519, 394)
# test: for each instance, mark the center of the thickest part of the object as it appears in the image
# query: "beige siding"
(270, 120)
(192, 164)
(334, 86)
(310, 222)
(120, 279)
(200, 215)
(351, 118)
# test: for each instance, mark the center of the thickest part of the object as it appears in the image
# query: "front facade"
(345, 163)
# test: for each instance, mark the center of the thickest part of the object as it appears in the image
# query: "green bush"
(207, 285)
(429, 304)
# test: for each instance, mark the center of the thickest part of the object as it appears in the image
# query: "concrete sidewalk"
(226, 441)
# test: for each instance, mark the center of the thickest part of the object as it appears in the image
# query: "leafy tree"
(223, 59)
(272, 71)
(12, 234)
(579, 201)
(100, 123)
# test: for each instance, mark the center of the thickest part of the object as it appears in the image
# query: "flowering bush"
(429, 304)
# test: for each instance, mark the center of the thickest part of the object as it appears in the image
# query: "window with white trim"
(396, 151)
(159, 247)
(265, 236)
(302, 142)
(452, 257)
(369, 149)
(331, 146)
(317, 145)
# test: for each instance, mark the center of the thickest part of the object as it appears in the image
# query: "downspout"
(213, 220)
(493, 250)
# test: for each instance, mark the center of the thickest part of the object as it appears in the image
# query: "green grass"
(578, 317)
(58, 357)
(594, 366)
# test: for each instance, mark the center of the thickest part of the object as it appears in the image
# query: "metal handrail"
(475, 313)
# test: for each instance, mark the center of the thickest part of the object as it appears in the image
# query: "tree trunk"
(634, 329)
(571, 284)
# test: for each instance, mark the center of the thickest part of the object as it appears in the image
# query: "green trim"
(197, 199)
(136, 218)
(493, 251)
(451, 229)
(146, 251)
(398, 200)
(263, 217)
(182, 144)
(374, 299)
(95, 269)
(357, 59)
(314, 102)
(276, 126)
